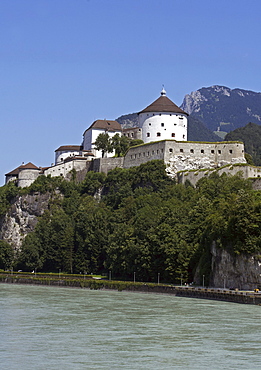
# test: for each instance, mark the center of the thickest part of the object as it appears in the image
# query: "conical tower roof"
(163, 104)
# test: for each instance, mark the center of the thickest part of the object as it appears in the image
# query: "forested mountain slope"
(250, 135)
(138, 220)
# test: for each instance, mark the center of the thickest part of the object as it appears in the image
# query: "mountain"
(197, 131)
(251, 137)
(220, 108)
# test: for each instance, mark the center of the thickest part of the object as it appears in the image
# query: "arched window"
(158, 133)
(148, 134)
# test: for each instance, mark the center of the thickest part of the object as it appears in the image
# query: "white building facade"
(163, 120)
(100, 127)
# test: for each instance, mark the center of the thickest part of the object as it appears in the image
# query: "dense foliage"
(139, 220)
(118, 144)
(250, 135)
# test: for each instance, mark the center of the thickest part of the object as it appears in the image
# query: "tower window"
(170, 150)
(230, 151)
(183, 136)
(148, 134)
(212, 151)
(202, 151)
(181, 150)
(149, 124)
(158, 134)
(162, 125)
(173, 134)
(219, 151)
(191, 150)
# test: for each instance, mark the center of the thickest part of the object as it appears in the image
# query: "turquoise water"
(66, 328)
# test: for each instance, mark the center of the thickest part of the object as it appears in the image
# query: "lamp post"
(134, 276)
(109, 275)
(203, 281)
(158, 277)
(181, 279)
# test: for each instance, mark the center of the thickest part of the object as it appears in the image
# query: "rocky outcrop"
(234, 271)
(223, 109)
(22, 217)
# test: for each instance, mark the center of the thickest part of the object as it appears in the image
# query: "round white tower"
(163, 120)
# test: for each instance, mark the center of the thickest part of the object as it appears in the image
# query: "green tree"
(120, 144)
(6, 255)
(103, 143)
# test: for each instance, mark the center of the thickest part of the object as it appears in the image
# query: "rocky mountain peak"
(223, 109)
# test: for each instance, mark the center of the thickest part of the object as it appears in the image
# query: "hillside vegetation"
(138, 220)
(250, 135)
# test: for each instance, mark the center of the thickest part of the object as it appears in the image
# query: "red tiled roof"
(106, 125)
(69, 147)
(26, 166)
(163, 104)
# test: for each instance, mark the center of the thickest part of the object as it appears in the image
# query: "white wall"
(60, 156)
(90, 137)
(163, 126)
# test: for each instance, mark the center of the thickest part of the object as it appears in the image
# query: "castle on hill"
(163, 129)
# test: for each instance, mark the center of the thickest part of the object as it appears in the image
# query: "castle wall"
(186, 155)
(247, 171)
(64, 168)
(163, 126)
(133, 132)
(143, 153)
(26, 177)
(106, 164)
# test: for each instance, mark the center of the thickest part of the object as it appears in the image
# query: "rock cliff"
(234, 271)
(22, 217)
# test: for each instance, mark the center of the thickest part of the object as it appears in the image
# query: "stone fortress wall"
(186, 156)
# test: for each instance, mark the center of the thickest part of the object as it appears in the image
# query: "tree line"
(140, 221)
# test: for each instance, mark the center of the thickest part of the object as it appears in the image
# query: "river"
(64, 328)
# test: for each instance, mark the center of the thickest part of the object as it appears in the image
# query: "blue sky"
(65, 63)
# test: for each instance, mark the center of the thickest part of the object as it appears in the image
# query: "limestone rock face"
(228, 271)
(21, 218)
